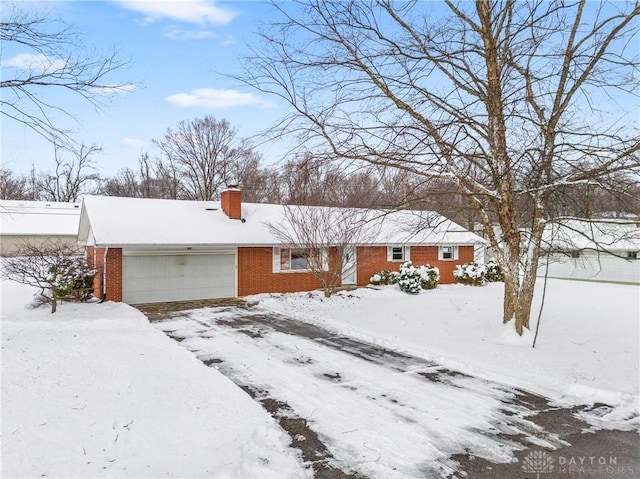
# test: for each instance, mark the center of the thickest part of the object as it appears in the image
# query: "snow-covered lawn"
(94, 390)
(587, 349)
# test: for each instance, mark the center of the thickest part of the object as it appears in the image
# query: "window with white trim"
(298, 259)
(293, 259)
(447, 253)
(632, 255)
(398, 253)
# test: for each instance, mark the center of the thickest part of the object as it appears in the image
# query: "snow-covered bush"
(72, 279)
(470, 273)
(494, 272)
(429, 276)
(478, 274)
(384, 277)
(410, 279)
(54, 268)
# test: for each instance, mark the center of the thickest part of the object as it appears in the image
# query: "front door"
(349, 266)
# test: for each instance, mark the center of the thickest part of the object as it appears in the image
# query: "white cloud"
(112, 89)
(202, 12)
(29, 61)
(213, 98)
(179, 34)
(133, 142)
(229, 40)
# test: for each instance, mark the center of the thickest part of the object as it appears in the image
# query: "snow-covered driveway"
(378, 413)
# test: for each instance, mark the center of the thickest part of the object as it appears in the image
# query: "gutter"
(134, 246)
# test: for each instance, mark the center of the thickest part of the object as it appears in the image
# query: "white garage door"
(177, 277)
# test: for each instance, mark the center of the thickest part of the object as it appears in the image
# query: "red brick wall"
(96, 259)
(114, 274)
(89, 252)
(374, 258)
(255, 266)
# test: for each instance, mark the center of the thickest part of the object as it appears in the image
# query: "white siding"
(10, 244)
(593, 267)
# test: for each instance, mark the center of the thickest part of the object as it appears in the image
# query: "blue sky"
(178, 54)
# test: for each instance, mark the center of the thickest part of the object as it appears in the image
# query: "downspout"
(104, 276)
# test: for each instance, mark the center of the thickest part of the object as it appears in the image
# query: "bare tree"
(307, 180)
(318, 239)
(50, 61)
(614, 196)
(263, 186)
(258, 184)
(153, 180)
(158, 180)
(511, 101)
(203, 155)
(33, 184)
(53, 267)
(74, 174)
(312, 179)
(12, 187)
(124, 183)
(164, 179)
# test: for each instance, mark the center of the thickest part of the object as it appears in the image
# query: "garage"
(178, 276)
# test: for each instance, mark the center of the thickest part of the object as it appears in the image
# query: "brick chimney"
(231, 200)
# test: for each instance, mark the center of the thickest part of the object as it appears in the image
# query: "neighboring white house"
(607, 251)
(37, 222)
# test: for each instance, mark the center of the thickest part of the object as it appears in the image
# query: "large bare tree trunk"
(518, 296)
(520, 277)
(510, 296)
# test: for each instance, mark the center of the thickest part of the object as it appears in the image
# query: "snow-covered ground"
(95, 391)
(587, 349)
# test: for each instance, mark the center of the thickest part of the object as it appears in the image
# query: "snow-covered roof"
(39, 218)
(140, 222)
(593, 235)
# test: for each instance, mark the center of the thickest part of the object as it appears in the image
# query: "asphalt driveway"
(357, 410)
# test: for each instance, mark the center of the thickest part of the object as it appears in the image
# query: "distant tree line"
(202, 156)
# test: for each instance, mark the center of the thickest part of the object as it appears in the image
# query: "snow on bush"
(470, 273)
(384, 277)
(73, 279)
(55, 269)
(478, 274)
(429, 276)
(410, 279)
(494, 272)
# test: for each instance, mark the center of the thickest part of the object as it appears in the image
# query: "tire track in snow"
(374, 411)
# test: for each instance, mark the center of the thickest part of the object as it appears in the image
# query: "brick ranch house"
(152, 250)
